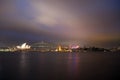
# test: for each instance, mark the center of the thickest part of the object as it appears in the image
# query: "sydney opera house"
(24, 46)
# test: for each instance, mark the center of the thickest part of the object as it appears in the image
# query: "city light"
(59, 49)
(24, 46)
(74, 46)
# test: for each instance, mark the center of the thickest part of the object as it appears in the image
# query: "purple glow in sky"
(94, 21)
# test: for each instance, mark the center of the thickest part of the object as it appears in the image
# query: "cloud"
(75, 19)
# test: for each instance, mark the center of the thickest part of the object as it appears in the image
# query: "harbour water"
(59, 66)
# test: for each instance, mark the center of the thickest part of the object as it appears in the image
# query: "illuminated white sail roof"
(24, 46)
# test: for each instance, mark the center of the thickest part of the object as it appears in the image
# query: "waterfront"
(59, 66)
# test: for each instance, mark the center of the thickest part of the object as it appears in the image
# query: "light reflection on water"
(73, 64)
(23, 61)
(58, 66)
(23, 66)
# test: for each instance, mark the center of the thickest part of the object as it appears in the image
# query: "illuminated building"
(24, 46)
(74, 46)
(6, 49)
(63, 49)
(59, 49)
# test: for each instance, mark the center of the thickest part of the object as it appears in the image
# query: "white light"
(75, 47)
(23, 46)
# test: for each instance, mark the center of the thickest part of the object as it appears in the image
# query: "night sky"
(93, 22)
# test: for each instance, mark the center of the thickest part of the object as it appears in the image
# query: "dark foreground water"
(59, 66)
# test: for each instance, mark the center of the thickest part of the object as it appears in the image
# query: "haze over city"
(91, 22)
(59, 39)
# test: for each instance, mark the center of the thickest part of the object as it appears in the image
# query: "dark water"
(59, 66)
